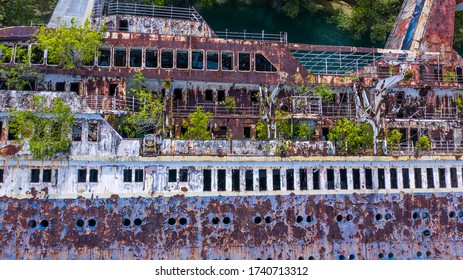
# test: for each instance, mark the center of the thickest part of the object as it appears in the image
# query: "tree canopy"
(197, 125)
(25, 12)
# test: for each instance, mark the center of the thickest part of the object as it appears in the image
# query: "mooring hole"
(381, 255)
(226, 220)
(339, 218)
(342, 257)
(349, 217)
(310, 219)
(378, 217)
(79, 223)
(416, 215)
(268, 219)
(426, 232)
(215, 220)
(91, 222)
(183, 221)
(257, 220)
(32, 223)
(452, 214)
(126, 222)
(44, 223)
(137, 222)
(171, 221)
(299, 219)
(419, 254)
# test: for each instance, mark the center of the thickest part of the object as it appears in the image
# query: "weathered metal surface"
(411, 226)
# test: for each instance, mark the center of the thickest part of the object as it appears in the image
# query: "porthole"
(32, 223)
(299, 219)
(428, 254)
(425, 215)
(339, 218)
(226, 220)
(126, 222)
(183, 221)
(310, 219)
(137, 222)
(342, 257)
(381, 255)
(390, 255)
(79, 223)
(349, 217)
(426, 232)
(378, 217)
(301, 258)
(44, 223)
(171, 221)
(416, 215)
(268, 219)
(388, 217)
(452, 214)
(257, 220)
(311, 258)
(215, 220)
(351, 257)
(419, 254)
(91, 222)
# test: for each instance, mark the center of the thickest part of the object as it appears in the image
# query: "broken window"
(60, 86)
(290, 179)
(276, 180)
(220, 95)
(453, 177)
(249, 180)
(21, 54)
(343, 174)
(82, 175)
(113, 89)
(263, 64)
(247, 132)
(123, 25)
(406, 178)
(430, 178)
(303, 179)
(5, 56)
(442, 183)
(135, 57)
(77, 131)
(418, 182)
(227, 61)
(104, 58)
(316, 179)
(172, 175)
(120, 57)
(93, 131)
(46, 176)
(368, 178)
(183, 174)
(262, 180)
(244, 61)
(197, 59)
(207, 182)
(127, 175)
(208, 95)
(35, 174)
(236, 180)
(182, 59)
(36, 54)
(2, 171)
(356, 175)
(393, 173)
(221, 180)
(381, 179)
(330, 178)
(93, 178)
(151, 58)
(75, 88)
(212, 60)
(139, 175)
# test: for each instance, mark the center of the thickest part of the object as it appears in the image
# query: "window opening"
(406, 178)
(393, 173)
(2, 172)
(197, 59)
(208, 95)
(343, 175)
(368, 178)
(249, 180)
(46, 176)
(127, 175)
(236, 180)
(303, 179)
(221, 180)
(37, 55)
(120, 57)
(167, 58)
(263, 64)
(244, 61)
(92, 131)
(172, 175)
(453, 177)
(381, 179)
(22, 54)
(220, 95)
(6, 55)
(330, 178)
(82, 175)
(418, 178)
(135, 57)
(356, 175)
(183, 175)
(93, 176)
(430, 178)
(254, 96)
(442, 183)
(60, 86)
(262, 180)
(35, 174)
(113, 89)
(177, 94)
(75, 88)
(151, 58)
(182, 59)
(290, 179)
(123, 25)
(212, 60)
(227, 61)
(104, 59)
(276, 180)
(316, 179)
(139, 175)
(207, 182)
(247, 132)
(77, 131)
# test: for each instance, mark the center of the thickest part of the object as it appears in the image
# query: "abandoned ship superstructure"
(243, 194)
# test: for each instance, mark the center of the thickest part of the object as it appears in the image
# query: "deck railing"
(260, 36)
(217, 110)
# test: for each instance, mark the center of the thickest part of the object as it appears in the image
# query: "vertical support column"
(283, 179)
(448, 179)
(214, 186)
(435, 175)
(362, 179)
(242, 180)
(228, 180)
(350, 178)
(337, 178)
(270, 179)
(374, 177)
(400, 181)
(387, 177)
(424, 178)
(459, 177)
(411, 177)
(323, 178)
(297, 179)
(255, 174)
(310, 178)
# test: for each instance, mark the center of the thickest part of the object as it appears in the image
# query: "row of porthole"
(80, 223)
(182, 221)
(416, 215)
(452, 214)
(387, 217)
(342, 257)
(225, 220)
(309, 219)
(348, 218)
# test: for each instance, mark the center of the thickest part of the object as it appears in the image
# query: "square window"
(183, 175)
(35, 174)
(139, 175)
(93, 176)
(104, 58)
(77, 132)
(127, 175)
(172, 175)
(135, 57)
(46, 176)
(82, 175)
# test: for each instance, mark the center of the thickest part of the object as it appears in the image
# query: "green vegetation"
(261, 130)
(286, 128)
(18, 77)
(349, 137)
(7, 53)
(25, 12)
(197, 125)
(423, 144)
(46, 129)
(150, 117)
(70, 46)
(450, 77)
(324, 92)
(229, 103)
(393, 139)
(408, 75)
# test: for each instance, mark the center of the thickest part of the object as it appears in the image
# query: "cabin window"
(316, 179)
(263, 64)
(104, 58)
(167, 58)
(356, 175)
(127, 175)
(381, 179)
(453, 177)
(368, 178)
(120, 57)
(35, 175)
(430, 178)
(6, 54)
(22, 54)
(207, 182)
(227, 61)
(303, 179)
(135, 57)
(93, 178)
(2, 172)
(221, 180)
(249, 180)
(46, 176)
(418, 180)
(197, 59)
(151, 58)
(212, 60)
(406, 178)
(182, 59)
(183, 174)
(343, 174)
(442, 183)
(393, 173)
(236, 180)
(220, 95)
(123, 25)
(82, 175)
(113, 89)
(172, 175)
(77, 131)
(247, 132)
(139, 175)
(290, 179)
(75, 88)
(330, 178)
(37, 54)
(276, 180)
(244, 61)
(208, 95)
(60, 86)
(262, 180)
(93, 131)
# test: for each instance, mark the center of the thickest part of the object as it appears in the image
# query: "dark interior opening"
(123, 25)
(236, 180)
(418, 180)
(406, 178)
(209, 95)
(262, 180)
(183, 175)
(290, 179)
(381, 179)
(343, 174)
(430, 178)
(221, 180)
(249, 180)
(442, 183)
(330, 178)
(316, 179)
(303, 185)
(356, 175)
(276, 180)
(453, 177)
(207, 182)
(393, 174)
(247, 132)
(60, 86)
(368, 178)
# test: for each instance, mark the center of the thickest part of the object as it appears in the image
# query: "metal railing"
(309, 105)
(109, 103)
(437, 147)
(262, 36)
(216, 110)
(116, 8)
(339, 111)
